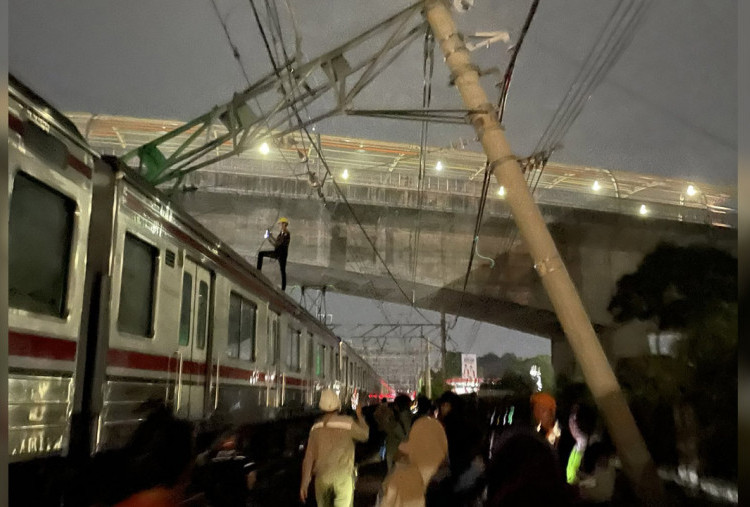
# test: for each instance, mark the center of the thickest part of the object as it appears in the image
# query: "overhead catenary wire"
(504, 89)
(276, 25)
(505, 84)
(616, 34)
(238, 59)
(319, 153)
(428, 67)
(475, 238)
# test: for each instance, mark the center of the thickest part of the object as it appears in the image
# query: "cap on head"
(329, 401)
(283, 220)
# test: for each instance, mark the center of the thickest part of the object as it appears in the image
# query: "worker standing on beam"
(280, 250)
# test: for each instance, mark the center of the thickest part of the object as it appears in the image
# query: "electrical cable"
(512, 64)
(325, 164)
(237, 57)
(614, 37)
(358, 261)
(427, 72)
(505, 87)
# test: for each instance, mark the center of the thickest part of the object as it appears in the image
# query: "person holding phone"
(280, 250)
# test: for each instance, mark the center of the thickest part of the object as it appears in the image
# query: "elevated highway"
(603, 222)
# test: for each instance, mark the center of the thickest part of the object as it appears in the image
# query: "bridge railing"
(451, 194)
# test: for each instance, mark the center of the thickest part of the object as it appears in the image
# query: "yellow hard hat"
(283, 220)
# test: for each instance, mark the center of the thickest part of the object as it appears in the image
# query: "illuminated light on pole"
(439, 166)
(264, 149)
(345, 174)
(643, 210)
(691, 191)
(596, 186)
(501, 191)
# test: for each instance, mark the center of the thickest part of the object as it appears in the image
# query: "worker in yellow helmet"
(280, 249)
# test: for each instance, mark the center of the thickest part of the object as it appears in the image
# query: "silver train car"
(118, 300)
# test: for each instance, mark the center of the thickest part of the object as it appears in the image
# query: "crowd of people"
(463, 452)
(459, 451)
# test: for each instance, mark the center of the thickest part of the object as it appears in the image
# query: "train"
(120, 301)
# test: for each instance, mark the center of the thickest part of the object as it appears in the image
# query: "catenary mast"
(598, 374)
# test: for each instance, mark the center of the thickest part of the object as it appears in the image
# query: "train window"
(292, 355)
(320, 360)
(39, 245)
(274, 339)
(137, 287)
(241, 328)
(202, 315)
(185, 309)
(310, 354)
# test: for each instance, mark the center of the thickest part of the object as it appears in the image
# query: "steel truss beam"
(240, 125)
(453, 116)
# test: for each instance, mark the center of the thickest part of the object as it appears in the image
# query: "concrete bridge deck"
(596, 217)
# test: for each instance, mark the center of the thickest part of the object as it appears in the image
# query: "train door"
(273, 375)
(193, 337)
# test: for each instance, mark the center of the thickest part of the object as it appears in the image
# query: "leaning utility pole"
(597, 372)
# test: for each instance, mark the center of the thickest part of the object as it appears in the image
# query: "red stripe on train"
(79, 166)
(44, 347)
(29, 345)
(15, 123)
(141, 361)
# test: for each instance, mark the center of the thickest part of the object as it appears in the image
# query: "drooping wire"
(611, 43)
(238, 58)
(475, 238)
(614, 37)
(356, 257)
(319, 153)
(428, 65)
(505, 85)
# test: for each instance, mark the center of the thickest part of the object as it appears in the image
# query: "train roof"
(45, 111)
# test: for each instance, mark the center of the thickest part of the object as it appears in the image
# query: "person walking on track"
(330, 454)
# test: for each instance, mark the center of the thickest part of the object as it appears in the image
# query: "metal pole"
(428, 373)
(597, 372)
(443, 341)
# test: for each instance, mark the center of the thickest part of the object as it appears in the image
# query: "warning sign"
(469, 366)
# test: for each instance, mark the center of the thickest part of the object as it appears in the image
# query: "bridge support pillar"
(600, 378)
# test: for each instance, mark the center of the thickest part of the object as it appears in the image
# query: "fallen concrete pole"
(598, 374)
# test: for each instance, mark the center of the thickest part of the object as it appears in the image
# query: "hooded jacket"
(426, 448)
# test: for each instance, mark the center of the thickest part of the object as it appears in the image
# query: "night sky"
(667, 107)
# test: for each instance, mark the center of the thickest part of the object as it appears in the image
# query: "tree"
(676, 286)
(693, 291)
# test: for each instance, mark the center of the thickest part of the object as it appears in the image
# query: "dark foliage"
(674, 285)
